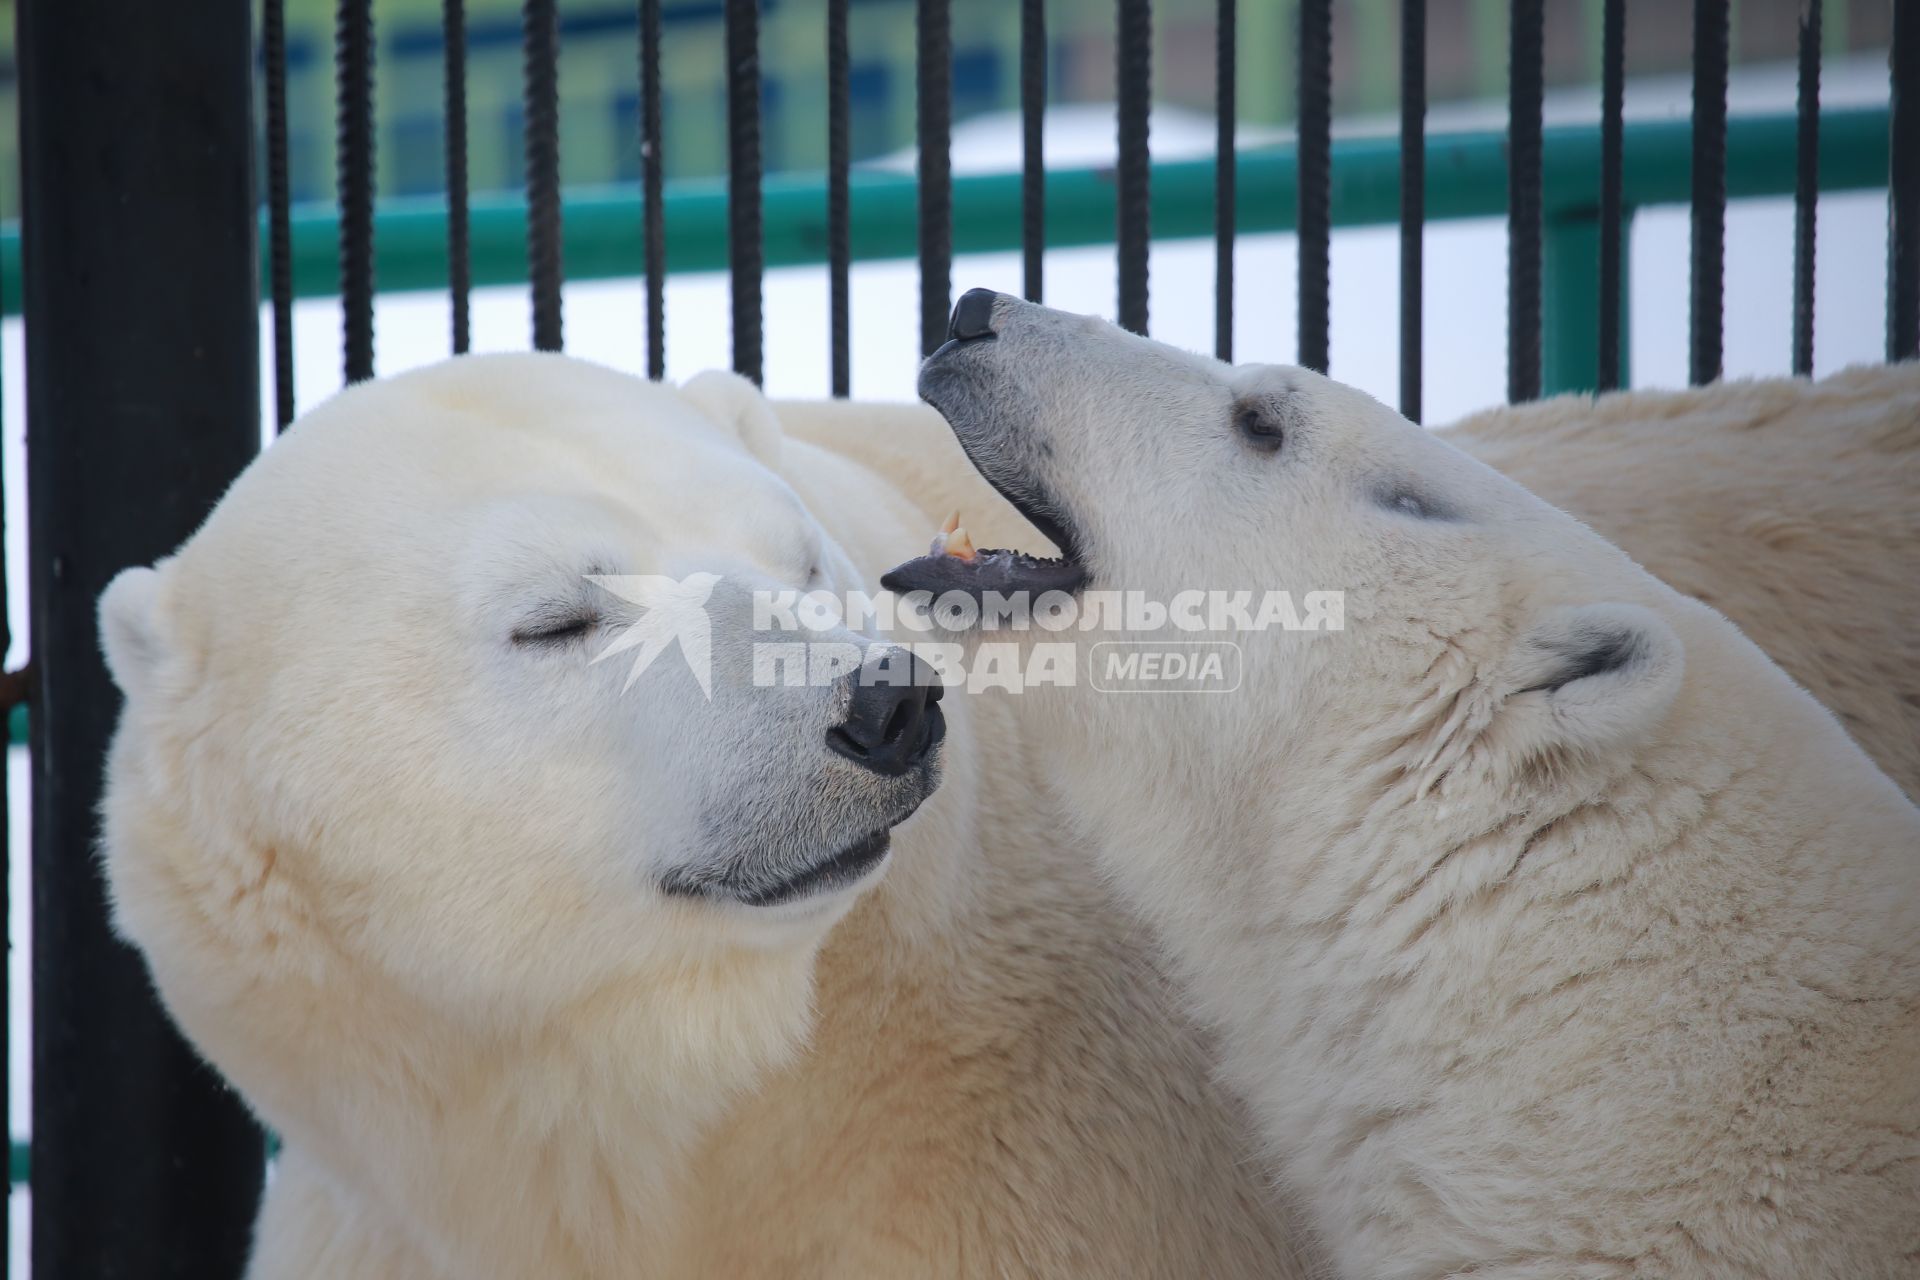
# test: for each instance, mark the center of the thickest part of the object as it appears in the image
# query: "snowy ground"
(1465, 321)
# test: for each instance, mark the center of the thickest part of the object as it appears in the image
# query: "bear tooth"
(958, 545)
(953, 522)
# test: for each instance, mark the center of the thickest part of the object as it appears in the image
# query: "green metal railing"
(1466, 178)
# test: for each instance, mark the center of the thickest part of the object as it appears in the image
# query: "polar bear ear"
(736, 404)
(1588, 678)
(133, 633)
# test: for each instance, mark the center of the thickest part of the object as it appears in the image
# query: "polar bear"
(539, 975)
(1549, 928)
(1812, 482)
(1788, 505)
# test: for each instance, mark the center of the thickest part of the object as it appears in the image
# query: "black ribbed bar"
(353, 76)
(1133, 66)
(1033, 162)
(541, 50)
(933, 80)
(1806, 187)
(654, 225)
(140, 302)
(1315, 221)
(273, 36)
(1225, 174)
(1903, 219)
(6, 867)
(1709, 186)
(1413, 197)
(453, 27)
(838, 157)
(744, 250)
(1613, 62)
(1524, 91)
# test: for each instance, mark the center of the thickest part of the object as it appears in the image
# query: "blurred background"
(1466, 54)
(1466, 61)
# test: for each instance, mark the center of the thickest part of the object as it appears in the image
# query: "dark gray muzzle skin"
(981, 380)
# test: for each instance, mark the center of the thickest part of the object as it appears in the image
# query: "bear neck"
(549, 1147)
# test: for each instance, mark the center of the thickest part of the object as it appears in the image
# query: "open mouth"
(842, 869)
(953, 563)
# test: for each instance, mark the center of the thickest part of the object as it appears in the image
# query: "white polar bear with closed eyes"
(1550, 929)
(543, 959)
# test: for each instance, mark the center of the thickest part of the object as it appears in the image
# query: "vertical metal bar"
(1413, 198)
(1033, 163)
(838, 158)
(1524, 91)
(744, 248)
(459, 239)
(1806, 187)
(1709, 186)
(1133, 66)
(6, 876)
(933, 79)
(1315, 124)
(1903, 220)
(654, 224)
(1225, 174)
(541, 46)
(1613, 61)
(142, 310)
(273, 36)
(353, 78)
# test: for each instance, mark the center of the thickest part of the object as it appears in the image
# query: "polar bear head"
(449, 717)
(1481, 632)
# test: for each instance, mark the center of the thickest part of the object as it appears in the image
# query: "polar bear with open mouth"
(1551, 930)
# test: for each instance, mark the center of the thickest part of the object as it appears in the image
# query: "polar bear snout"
(893, 718)
(973, 316)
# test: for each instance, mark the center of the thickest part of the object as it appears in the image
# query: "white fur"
(1528, 970)
(1787, 505)
(397, 877)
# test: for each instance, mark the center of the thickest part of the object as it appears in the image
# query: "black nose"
(973, 317)
(892, 722)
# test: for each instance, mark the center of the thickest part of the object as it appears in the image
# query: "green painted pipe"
(1466, 177)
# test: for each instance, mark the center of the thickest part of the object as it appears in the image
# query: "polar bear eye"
(1403, 500)
(555, 630)
(1260, 429)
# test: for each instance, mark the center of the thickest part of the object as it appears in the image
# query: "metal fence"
(137, 273)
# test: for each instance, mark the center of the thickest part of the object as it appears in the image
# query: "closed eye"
(556, 630)
(1406, 501)
(1260, 427)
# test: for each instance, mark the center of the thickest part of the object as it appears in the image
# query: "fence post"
(1570, 314)
(141, 301)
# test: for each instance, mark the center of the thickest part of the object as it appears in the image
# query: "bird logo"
(675, 609)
